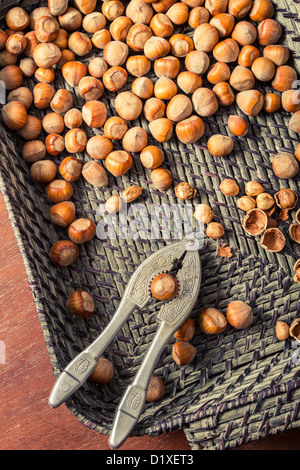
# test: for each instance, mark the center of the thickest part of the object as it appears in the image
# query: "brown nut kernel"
(103, 372)
(81, 304)
(203, 213)
(132, 193)
(229, 188)
(285, 165)
(246, 203)
(282, 330)
(185, 191)
(273, 240)
(113, 205)
(164, 287)
(255, 222)
(215, 230)
(239, 314)
(286, 199)
(265, 201)
(183, 353)
(253, 188)
(212, 321)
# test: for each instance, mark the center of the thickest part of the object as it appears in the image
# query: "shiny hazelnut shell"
(81, 304)
(103, 372)
(164, 287)
(212, 321)
(239, 314)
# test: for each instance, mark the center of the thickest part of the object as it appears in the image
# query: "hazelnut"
(203, 213)
(132, 193)
(205, 37)
(219, 145)
(197, 62)
(181, 45)
(253, 188)
(162, 25)
(282, 330)
(118, 162)
(224, 93)
(156, 47)
(278, 54)
(95, 174)
(205, 102)
(297, 271)
(255, 222)
(239, 314)
(94, 113)
(242, 78)
(103, 372)
(73, 72)
(238, 126)
(34, 151)
(285, 165)
(161, 129)
(226, 51)
(115, 53)
(43, 171)
(284, 78)
(183, 353)
(81, 304)
(142, 87)
(99, 146)
(64, 253)
(286, 198)
(90, 88)
(229, 187)
(128, 106)
(215, 230)
(63, 213)
(70, 169)
(261, 10)
(224, 23)
(244, 33)
(265, 201)
(273, 240)
(250, 102)
(12, 77)
(295, 329)
(186, 331)
(218, 72)
(59, 191)
(152, 157)
(115, 128)
(189, 82)
(268, 32)
(161, 179)
(263, 69)
(190, 130)
(246, 203)
(185, 191)
(198, 15)
(247, 55)
(82, 230)
(113, 205)
(154, 108)
(179, 108)
(156, 389)
(73, 118)
(167, 67)
(212, 321)
(135, 139)
(272, 102)
(294, 123)
(164, 287)
(14, 115)
(165, 88)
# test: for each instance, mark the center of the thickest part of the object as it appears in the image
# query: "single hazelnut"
(282, 330)
(229, 187)
(132, 193)
(294, 231)
(118, 162)
(215, 230)
(183, 353)
(82, 230)
(239, 314)
(103, 372)
(285, 165)
(152, 157)
(64, 253)
(238, 125)
(113, 204)
(212, 321)
(205, 102)
(220, 145)
(253, 188)
(70, 169)
(43, 171)
(156, 389)
(63, 213)
(265, 201)
(161, 179)
(246, 203)
(94, 173)
(164, 287)
(59, 191)
(186, 331)
(190, 130)
(185, 191)
(203, 213)
(273, 240)
(255, 222)
(250, 102)
(81, 304)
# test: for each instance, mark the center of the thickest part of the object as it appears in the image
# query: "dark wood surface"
(26, 420)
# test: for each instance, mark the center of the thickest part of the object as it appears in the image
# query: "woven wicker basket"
(243, 385)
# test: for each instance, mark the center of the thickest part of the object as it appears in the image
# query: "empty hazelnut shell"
(286, 198)
(297, 271)
(297, 216)
(294, 231)
(295, 329)
(273, 240)
(255, 222)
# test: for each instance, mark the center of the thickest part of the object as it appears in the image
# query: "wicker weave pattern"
(243, 385)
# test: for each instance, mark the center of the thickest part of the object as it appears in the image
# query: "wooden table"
(27, 422)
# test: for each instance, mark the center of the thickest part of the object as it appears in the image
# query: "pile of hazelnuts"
(230, 46)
